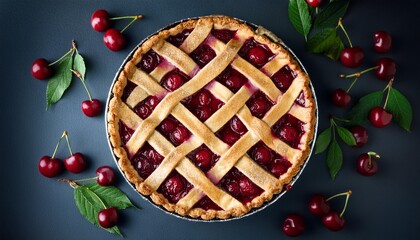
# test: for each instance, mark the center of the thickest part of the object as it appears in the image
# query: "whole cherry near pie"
(210, 119)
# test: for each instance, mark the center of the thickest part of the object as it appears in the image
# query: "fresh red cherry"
(382, 41)
(386, 69)
(366, 164)
(333, 221)
(50, 167)
(75, 163)
(106, 176)
(359, 134)
(341, 98)
(41, 70)
(352, 56)
(257, 55)
(379, 117)
(108, 217)
(100, 20)
(318, 205)
(314, 3)
(114, 40)
(91, 108)
(293, 225)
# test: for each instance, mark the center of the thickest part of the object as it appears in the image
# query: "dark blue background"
(33, 207)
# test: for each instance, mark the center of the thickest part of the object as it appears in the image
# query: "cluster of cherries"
(41, 69)
(113, 39)
(294, 224)
(51, 166)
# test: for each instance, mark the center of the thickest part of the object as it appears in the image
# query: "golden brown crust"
(271, 186)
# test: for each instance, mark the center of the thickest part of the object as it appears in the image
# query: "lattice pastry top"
(210, 119)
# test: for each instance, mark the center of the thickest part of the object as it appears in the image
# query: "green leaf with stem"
(334, 158)
(346, 136)
(300, 17)
(79, 64)
(110, 195)
(322, 41)
(400, 108)
(59, 83)
(328, 17)
(323, 140)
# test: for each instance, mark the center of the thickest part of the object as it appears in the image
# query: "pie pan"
(258, 30)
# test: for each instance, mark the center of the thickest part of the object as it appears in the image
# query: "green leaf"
(299, 16)
(360, 112)
(334, 159)
(79, 64)
(110, 195)
(328, 17)
(322, 40)
(346, 136)
(89, 206)
(323, 140)
(58, 84)
(400, 108)
(335, 50)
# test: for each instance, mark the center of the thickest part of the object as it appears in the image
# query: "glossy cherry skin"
(100, 20)
(75, 163)
(293, 225)
(379, 117)
(106, 176)
(314, 3)
(91, 108)
(352, 57)
(382, 41)
(333, 221)
(114, 40)
(41, 70)
(367, 165)
(359, 134)
(386, 69)
(341, 98)
(108, 217)
(50, 167)
(318, 205)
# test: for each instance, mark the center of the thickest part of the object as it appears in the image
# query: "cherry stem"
(340, 24)
(58, 144)
(347, 194)
(389, 86)
(358, 74)
(370, 155)
(72, 183)
(351, 85)
(316, 10)
(333, 125)
(68, 142)
(83, 82)
(72, 49)
(135, 18)
(85, 179)
(127, 17)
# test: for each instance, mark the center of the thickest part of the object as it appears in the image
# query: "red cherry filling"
(179, 38)
(128, 90)
(232, 131)
(149, 61)
(146, 107)
(269, 159)
(202, 104)
(239, 186)
(284, 78)
(203, 158)
(259, 104)
(232, 79)
(125, 132)
(289, 129)
(174, 131)
(146, 160)
(203, 55)
(206, 203)
(257, 54)
(223, 35)
(300, 100)
(175, 187)
(174, 80)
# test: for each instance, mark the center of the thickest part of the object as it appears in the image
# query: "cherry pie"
(210, 119)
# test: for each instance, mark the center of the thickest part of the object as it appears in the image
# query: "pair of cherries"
(294, 224)
(113, 39)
